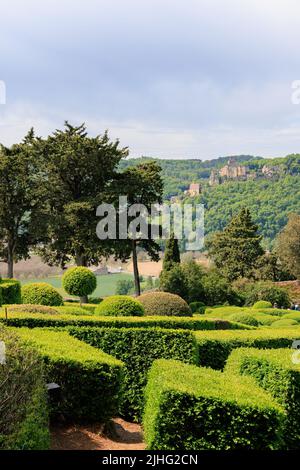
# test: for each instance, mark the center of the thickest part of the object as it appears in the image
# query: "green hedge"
(23, 398)
(215, 346)
(11, 291)
(89, 378)
(138, 348)
(275, 372)
(194, 408)
(32, 320)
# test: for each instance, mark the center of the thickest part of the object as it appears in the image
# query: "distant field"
(106, 284)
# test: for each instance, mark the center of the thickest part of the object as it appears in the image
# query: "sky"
(169, 78)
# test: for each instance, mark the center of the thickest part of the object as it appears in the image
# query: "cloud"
(198, 78)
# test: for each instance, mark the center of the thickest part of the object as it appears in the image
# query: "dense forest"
(270, 200)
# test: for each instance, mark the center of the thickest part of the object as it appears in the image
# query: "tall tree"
(288, 245)
(236, 249)
(141, 184)
(171, 254)
(80, 170)
(21, 201)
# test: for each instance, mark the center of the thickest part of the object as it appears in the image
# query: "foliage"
(23, 406)
(21, 201)
(283, 323)
(218, 290)
(262, 304)
(79, 281)
(41, 293)
(165, 304)
(138, 348)
(80, 170)
(268, 292)
(10, 291)
(275, 372)
(124, 286)
(174, 281)
(171, 254)
(194, 274)
(194, 408)
(32, 308)
(89, 379)
(244, 318)
(288, 245)
(197, 307)
(120, 305)
(236, 249)
(215, 346)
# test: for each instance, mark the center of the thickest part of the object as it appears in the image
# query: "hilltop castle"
(230, 171)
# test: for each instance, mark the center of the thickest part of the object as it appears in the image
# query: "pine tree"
(236, 249)
(172, 253)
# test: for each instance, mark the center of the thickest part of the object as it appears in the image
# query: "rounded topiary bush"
(79, 281)
(197, 307)
(120, 306)
(244, 318)
(262, 304)
(41, 293)
(165, 304)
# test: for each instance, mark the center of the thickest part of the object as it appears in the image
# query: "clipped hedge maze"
(193, 408)
(89, 378)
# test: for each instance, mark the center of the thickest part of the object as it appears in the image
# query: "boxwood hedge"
(195, 408)
(10, 291)
(215, 346)
(138, 348)
(89, 378)
(23, 401)
(68, 316)
(275, 371)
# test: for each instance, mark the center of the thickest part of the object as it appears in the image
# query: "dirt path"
(123, 436)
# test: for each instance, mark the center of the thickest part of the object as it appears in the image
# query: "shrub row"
(195, 408)
(275, 371)
(73, 316)
(23, 404)
(215, 346)
(89, 379)
(138, 348)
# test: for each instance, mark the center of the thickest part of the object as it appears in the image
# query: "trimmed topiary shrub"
(120, 306)
(164, 303)
(262, 304)
(10, 291)
(274, 371)
(195, 408)
(89, 378)
(41, 293)
(245, 318)
(79, 281)
(197, 307)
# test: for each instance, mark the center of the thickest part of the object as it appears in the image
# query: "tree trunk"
(10, 261)
(81, 261)
(135, 269)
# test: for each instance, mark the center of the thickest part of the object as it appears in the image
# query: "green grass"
(106, 284)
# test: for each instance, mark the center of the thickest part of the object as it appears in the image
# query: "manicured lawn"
(106, 284)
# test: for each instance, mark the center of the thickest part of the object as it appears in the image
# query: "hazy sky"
(170, 78)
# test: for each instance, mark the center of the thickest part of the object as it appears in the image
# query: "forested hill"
(270, 197)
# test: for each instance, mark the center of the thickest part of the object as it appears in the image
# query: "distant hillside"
(271, 189)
